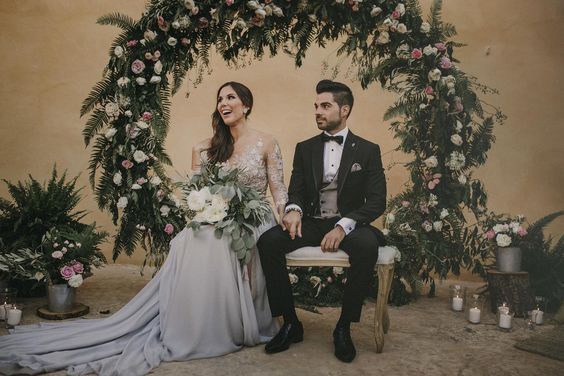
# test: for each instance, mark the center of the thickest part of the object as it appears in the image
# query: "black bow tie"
(326, 138)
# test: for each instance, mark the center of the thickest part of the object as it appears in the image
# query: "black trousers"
(361, 245)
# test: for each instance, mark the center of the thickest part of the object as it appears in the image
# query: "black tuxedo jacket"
(362, 184)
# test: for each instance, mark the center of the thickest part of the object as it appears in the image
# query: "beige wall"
(53, 52)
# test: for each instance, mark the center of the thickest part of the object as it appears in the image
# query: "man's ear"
(345, 110)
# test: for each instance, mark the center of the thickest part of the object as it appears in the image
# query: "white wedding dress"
(200, 304)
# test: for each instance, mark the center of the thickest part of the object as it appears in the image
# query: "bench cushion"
(314, 256)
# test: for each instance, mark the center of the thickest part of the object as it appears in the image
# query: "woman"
(200, 304)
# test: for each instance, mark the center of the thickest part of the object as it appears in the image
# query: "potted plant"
(505, 235)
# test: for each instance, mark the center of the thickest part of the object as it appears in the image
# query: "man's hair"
(341, 92)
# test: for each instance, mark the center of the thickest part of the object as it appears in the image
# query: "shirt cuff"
(291, 207)
(347, 224)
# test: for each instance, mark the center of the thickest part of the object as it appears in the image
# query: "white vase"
(61, 297)
(508, 259)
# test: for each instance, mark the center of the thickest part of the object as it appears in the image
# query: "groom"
(336, 190)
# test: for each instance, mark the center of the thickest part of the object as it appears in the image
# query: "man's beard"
(330, 125)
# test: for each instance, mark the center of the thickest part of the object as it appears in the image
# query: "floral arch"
(438, 119)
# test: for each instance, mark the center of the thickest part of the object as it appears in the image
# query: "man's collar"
(343, 132)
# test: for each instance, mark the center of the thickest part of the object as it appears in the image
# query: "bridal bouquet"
(214, 196)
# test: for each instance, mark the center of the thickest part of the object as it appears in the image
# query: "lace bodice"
(261, 164)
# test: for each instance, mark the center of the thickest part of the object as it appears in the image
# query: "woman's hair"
(221, 145)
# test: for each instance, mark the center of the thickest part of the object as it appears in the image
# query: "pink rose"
(355, 7)
(185, 42)
(169, 229)
(406, 204)
(67, 272)
(163, 25)
(458, 106)
(132, 43)
(127, 164)
(329, 280)
(148, 55)
(230, 2)
(147, 116)
(416, 53)
(396, 14)
(490, 234)
(440, 46)
(157, 54)
(445, 63)
(432, 184)
(429, 90)
(137, 66)
(57, 254)
(77, 267)
(141, 181)
(195, 10)
(203, 22)
(521, 231)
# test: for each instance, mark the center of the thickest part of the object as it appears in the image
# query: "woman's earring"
(245, 110)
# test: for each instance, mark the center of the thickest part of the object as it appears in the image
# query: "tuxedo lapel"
(347, 158)
(317, 161)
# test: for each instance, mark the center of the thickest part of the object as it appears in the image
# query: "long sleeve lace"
(275, 172)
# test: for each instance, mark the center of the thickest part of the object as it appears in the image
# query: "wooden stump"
(78, 309)
(511, 288)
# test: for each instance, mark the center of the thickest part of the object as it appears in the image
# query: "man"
(337, 189)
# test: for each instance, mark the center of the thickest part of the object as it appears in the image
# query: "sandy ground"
(425, 338)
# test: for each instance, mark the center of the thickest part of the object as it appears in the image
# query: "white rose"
(314, 280)
(128, 113)
(401, 8)
(149, 35)
(498, 228)
(456, 139)
(458, 126)
(293, 278)
(340, 1)
(431, 162)
(110, 133)
(241, 24)
(118, 51)
(427, 226)
(312, 17)
(503, 240)
(39, 276)
(136, 187)
(158, 68)
(433, 201)
(112, 109)
(405, 227)
(425, 27)
(402, 29)
(260, 13)
(383, 38)
(155, 79)
(171, 41)
(462, 179)
(195, 201)
(155, 180)
(434, 75)
(390, 218)
(438, 226)
(514, 226)
(189, 4)
(375, 11)
(253, 5)
(176, 25)
(386, 232)
(444, 213)
(122, 202)
(164, 210)
(139, 156)
(123, 81)
(337, 270)
(428, 50)
(423, 106)
(277, 11)
(76, 280)
(142, 125)
(140, 81)
(449, 81)
(118, 178)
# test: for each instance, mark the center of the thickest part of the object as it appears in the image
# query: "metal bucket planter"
(508, 259)
(61, 297)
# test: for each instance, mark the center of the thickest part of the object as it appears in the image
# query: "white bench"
(387, 256)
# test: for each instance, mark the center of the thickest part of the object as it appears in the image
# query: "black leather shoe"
(288, 334)
(344, 347)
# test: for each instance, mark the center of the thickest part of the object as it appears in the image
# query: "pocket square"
(356, 167)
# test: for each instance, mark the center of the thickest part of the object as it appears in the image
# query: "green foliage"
(543, 258)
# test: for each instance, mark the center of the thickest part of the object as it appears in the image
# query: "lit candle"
(504, 320)
(13, 316)
(3, 309)
(503, 308)
(474, 315)
(537, 316)
(457, 303)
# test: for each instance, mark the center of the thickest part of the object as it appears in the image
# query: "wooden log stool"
(511, 288)
(314, 256)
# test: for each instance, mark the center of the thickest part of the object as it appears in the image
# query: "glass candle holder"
(537, 314)
(474, 309)
(457, 298)
(505, 317)
(13, 315)
(7, 299)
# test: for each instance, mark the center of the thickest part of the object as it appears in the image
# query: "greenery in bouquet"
(63, 257)
(215, 196)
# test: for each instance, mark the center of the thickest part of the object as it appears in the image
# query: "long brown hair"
(221, 145)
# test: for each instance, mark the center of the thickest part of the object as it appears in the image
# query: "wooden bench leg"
(381, 318)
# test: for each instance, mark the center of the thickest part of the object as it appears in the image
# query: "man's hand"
(333, 239)
(292, 222)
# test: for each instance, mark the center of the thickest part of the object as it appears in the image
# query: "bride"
(201, 303)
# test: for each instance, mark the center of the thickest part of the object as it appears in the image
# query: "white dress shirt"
(331, 161)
